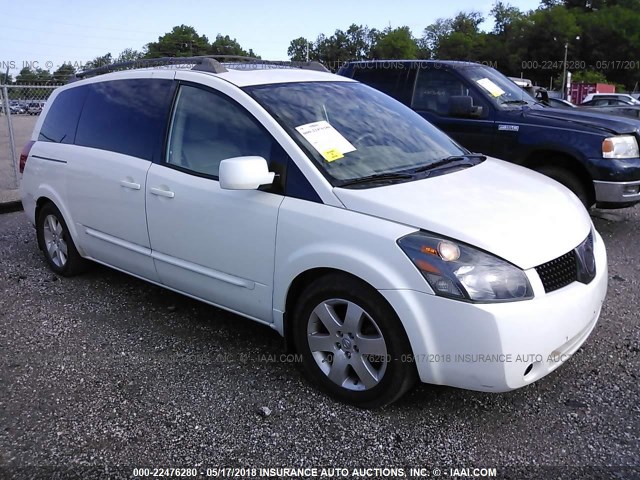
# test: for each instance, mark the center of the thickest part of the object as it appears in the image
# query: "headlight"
(622, 146)
(459, 271)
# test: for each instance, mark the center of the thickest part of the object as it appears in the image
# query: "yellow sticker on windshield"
(326, 140)
(490, 87)
(331, 155)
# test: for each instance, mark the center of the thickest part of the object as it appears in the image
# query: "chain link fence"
(20, 106)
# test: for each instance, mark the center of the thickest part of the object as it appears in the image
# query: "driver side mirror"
(462, 106)
(244, 173)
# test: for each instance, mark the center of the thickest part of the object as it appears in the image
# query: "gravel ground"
(104, 369)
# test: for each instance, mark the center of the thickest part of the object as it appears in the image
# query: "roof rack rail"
(204, 63)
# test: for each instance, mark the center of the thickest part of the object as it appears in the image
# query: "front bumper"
(504, 346)
(617, 193)
(616, 181)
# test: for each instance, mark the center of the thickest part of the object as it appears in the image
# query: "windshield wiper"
(514, 102)
(467, 160)
(474, 157)
(378, 177)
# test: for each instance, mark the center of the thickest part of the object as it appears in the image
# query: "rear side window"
(62, 119)
(394, 79)
(126, 116)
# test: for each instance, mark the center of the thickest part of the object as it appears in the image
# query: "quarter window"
(62, 119)
(208, 128)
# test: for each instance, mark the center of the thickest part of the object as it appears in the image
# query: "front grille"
(558, 273)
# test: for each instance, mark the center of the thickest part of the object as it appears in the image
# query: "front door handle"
(130, 184)
(161, 192)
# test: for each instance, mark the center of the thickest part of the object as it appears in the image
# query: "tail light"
(24, 154)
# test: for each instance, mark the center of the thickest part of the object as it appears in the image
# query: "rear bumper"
(500, 347)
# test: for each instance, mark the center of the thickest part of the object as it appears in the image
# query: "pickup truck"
(593, 154)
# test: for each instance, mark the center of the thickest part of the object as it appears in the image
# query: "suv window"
(62, 119)
(126, 116)
(435, 88)
(208, 128)
(396, 80)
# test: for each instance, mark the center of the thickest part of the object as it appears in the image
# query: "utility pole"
(564, 67)
(564, 70)
(307, 51)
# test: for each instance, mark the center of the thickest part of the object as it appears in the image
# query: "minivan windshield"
(354, 133)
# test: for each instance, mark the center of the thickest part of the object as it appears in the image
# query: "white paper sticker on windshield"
(326, 140)
(490, 87)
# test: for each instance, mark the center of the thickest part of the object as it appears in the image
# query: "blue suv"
(595, 155)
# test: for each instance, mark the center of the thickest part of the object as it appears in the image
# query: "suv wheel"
(352, 343)
(53, 237)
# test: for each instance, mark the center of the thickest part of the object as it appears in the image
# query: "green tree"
(333, 50)
(63, 72)
(458, 38)
(505, 16)
(128, 55)
(100, 61)
(467, 23)
(181, 41)
(395, 43)
(359, 41)
(544, 34)
(610, 42)
(589, 76)
(228, 46)
(298, 49)
(33, 75)
(434, 33)
(505, 44)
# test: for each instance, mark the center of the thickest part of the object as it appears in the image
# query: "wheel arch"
(48, 196)
(305, 279)
(540, 158)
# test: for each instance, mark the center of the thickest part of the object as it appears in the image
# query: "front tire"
(353, 345)
(55, 240)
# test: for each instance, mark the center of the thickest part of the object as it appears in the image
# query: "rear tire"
(569, 180)
(55, 240)
(353, 345)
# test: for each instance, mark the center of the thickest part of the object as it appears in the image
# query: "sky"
(46, 34)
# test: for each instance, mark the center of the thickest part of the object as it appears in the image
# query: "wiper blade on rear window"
(469, 160)
(378, 177)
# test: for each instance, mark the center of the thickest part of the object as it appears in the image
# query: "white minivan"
(382, 250)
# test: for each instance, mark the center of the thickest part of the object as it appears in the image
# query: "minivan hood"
(587, 118)
(512, 212)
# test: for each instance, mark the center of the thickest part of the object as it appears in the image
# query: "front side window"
(353, 131)
(208, 128)
(435, 88)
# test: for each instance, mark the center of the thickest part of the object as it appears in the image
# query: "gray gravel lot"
(104, 369)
